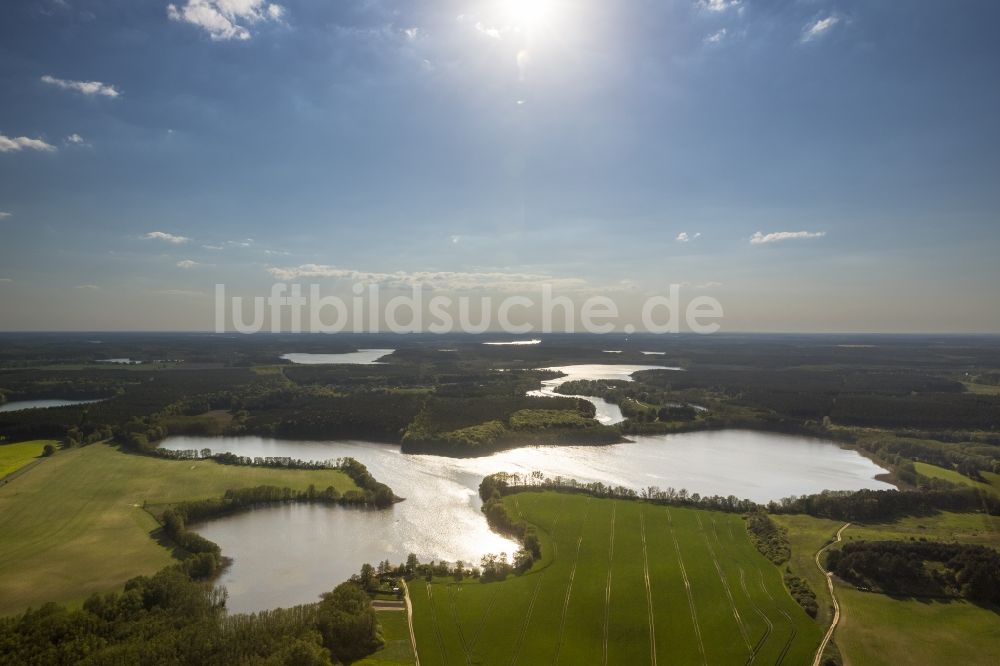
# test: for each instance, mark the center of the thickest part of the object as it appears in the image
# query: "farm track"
(725, 587)
(607, 587)
(649, 591)
(687, 589)
(833, 596)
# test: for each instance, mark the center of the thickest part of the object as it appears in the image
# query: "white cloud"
(187, 263)
(708, 285)
(489, 30)
(164, 236)
(19, 143)
(212, 247)
(685, 237)
(75, 138)
(455, 239)
(819, 28)
(411, 33)
(225, 19)
(6, 280)
(87, 287)
(719, 5)
(778, 236)
(85, 87)
(446, 280)
(716, 37)
(4, 215)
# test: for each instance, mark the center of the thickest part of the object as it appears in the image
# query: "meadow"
(75, 524)
(396, 634)
(879, 629)
(15, 456)
(620, 582)
(989, 484)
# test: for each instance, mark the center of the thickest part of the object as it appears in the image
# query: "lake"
(607, 413)
(360, 357)
(18, 405)
(286, 555)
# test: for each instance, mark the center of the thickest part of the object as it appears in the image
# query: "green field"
(396, 633)
(878, 629)
(15, 456)
(621, 582)
(75, 524)
(990, 485)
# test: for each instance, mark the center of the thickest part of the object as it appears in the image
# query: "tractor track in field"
(788, 618)
(527, 621)
(482, 620)
(649, 591)
(569, 585)
(607, 587)
(437, 627)
(767, 621)
(725, 587)
(687, 589)
(458, 625)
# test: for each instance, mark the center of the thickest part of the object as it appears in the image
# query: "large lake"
(18, 405)
(286, 555)
(360, 357)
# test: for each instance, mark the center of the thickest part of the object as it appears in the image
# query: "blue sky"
(149, 150)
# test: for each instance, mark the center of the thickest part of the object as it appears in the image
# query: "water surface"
(18, 405)
(607, 413)
(286, 555)
(360, 357)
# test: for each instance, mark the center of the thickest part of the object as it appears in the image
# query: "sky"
(814, 165)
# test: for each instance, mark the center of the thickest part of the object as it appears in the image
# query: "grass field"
(622, 583)
(991, 484)
(75, 524)
(397, 650)
(15, 456)
(878, 629)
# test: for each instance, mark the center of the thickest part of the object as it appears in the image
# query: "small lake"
(360, 357)
(607, 413)
(285, 555)
(18, 405)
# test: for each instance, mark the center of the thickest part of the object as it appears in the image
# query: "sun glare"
(526, 14)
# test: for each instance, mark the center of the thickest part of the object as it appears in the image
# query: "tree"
(367, 576)
(48, 450)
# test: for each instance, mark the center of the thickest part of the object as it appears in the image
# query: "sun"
(526, 14)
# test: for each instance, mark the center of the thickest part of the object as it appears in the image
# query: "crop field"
(15, 456)
(396, 633)
(620, 582)
(75, 525)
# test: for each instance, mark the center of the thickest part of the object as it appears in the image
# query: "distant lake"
(18, 405)
(286, 555)
(360, 357)
(607, 413)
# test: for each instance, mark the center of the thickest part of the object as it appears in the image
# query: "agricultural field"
(879, 629)
(76, 524)
(15, 456)
(620, 582)
(990, 483)
(396, 634)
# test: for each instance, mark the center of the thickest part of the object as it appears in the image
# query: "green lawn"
(878, 629)
(397, 650)
(75, 524)
(15, 456)
(991, 484)
(589, 596)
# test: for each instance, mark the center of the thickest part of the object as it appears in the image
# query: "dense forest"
(920, 568)
(169, 619)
